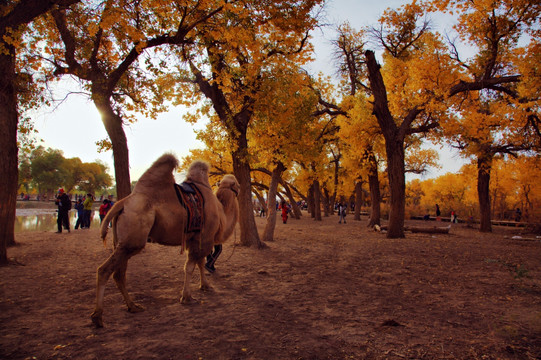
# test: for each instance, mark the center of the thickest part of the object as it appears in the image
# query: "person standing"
(104, 208)
(80, 214)
(284, 208)
(64, 205)
(438, 213)
(87, 205)
(342, 212)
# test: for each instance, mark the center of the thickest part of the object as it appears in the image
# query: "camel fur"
(153, 213)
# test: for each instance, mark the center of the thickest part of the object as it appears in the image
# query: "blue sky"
(75, 125)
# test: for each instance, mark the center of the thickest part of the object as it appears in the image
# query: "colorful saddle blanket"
(190, 197)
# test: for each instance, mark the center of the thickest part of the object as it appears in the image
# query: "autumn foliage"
(401, 85)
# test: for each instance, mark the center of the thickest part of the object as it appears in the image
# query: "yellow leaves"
(513, 184)
(104, 145)
(92, 29)
(528, 61)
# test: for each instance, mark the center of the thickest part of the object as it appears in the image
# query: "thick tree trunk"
(113, 126)
(397, 185)
(327, 205)
(358, 199)
(268, 233)
(248, 229)
(394, 145)
(311, 206)
(375, 212)
(484, 165)
(9, 159)
(317, 201)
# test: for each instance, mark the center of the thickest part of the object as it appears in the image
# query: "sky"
(75, 125)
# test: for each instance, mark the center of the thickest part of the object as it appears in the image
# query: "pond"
(45, 220)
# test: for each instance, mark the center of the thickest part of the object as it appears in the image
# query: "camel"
(153, 213)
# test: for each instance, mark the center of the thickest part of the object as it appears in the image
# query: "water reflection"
(44, 220)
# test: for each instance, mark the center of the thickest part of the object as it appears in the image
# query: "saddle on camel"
(152, 212)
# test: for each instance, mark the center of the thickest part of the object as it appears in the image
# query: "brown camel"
(152, 212)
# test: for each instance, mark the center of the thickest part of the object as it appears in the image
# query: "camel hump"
(160, 172)
(199, 172)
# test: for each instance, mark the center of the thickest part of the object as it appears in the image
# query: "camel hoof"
(96, 319)
(206, 288)
(135, 308)
(186, 300)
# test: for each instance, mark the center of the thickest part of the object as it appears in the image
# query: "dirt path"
(320, 291)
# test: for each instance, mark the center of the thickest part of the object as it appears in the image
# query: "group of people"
(84, 210)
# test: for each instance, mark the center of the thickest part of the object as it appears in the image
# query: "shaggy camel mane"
(199, 172)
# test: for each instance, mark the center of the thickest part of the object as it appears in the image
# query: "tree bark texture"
(375, 206)
(311, 206)
(394, 145)
(484, 165)
(268, 233)
(241, 168)
(113, 126)
(9, 159)
(326, 203)
(397, 185)
(358, 199)
(317, 201)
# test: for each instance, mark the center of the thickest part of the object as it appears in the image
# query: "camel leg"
(189, 267)
(204, 282)
(116, 263)
(120, 279)
(103, 274)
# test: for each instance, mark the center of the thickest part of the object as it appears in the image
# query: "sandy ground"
(321, 290)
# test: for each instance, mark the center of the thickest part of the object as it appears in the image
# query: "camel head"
(230, 182)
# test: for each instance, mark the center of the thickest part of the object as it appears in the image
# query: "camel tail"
(111, 216)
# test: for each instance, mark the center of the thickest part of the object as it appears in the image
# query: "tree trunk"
(335, 190)
(375, 212)
(317, 201)
(241, 168)
(484, 165)
(358, 199)
(394, 145)
(268, 233)
(296, 211)
(397, 185)
(9, 159)
(326, 203)
(311, 206)
(113, 126)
